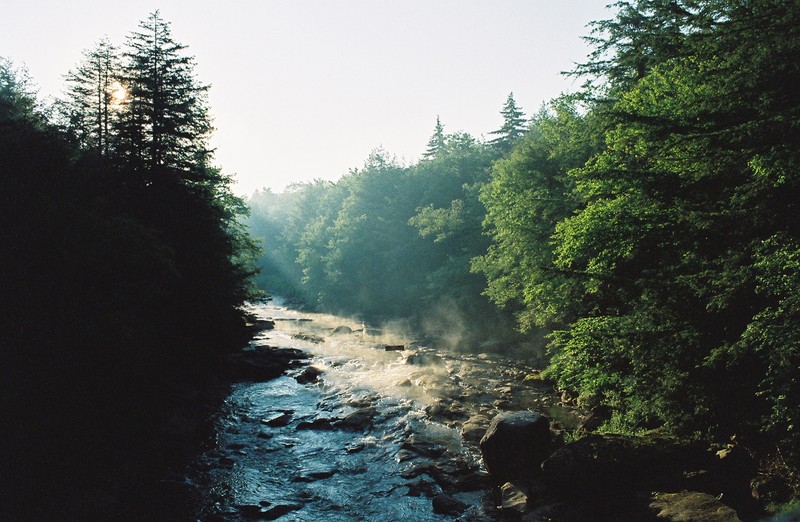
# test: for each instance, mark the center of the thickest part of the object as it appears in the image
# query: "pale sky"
(305, 89)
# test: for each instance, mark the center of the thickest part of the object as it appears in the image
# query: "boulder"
(341, 330)
(308, 375)
(513, 498)
(602, 464)
(359, 420)
(421, 358)
(515, 444)
(263, 363)
(444, 504)
(474, 428)
(691, 505)
(278, 421)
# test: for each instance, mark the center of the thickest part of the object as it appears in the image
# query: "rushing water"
(375, 437)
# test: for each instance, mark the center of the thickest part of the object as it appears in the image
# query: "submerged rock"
(515, 444)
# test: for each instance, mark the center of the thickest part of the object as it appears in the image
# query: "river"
(384, 425)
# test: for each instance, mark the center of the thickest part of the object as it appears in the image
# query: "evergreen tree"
(513, 126)
(94, 97)
(17, 95)
(166, 123)
(437, 141)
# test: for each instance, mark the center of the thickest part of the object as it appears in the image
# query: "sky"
(306, 89)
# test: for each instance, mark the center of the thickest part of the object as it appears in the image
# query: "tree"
(17, 95)
(684, 245)
(513, 126)
(436, 142)
(94, 97)
(528, 194)
(165, 125)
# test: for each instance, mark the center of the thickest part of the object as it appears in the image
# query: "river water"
(389, 423)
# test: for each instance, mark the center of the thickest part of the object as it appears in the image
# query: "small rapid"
(375, 427)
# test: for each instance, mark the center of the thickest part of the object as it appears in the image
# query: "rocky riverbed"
(331, 420)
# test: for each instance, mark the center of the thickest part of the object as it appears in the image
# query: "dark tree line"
(123, 270)
(647, 223)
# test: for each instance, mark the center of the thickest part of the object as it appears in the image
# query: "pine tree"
(513, 125)
(166, 123)
(436, 143)
(94, 97)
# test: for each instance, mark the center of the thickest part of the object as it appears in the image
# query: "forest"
(639, 238)
(643, 231)
(123, 271)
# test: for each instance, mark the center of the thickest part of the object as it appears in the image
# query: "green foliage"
(528, 194)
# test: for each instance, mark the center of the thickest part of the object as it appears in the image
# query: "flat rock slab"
(691, 506)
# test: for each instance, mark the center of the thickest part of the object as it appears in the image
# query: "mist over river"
(375, 427)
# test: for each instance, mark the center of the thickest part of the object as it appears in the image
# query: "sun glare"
(118, 94)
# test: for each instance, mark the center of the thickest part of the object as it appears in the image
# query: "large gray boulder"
(515, 445)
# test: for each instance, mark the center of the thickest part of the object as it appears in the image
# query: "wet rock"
(423, 447)
(308, 338)
(474, 428)
(404, 455)
(263, 363)
(308, 375)
(446, 409)
(606, 464)
(250, 510)
(315, 475)
(320, 424)
(226, 462)
(264, 435)
(515, 444)
(424, 359)
(341, 330)
(473, 481)
(278, 421)
(513, 498)
(359, 420)
(691, 505)
(444, 504)
(422, 488)
(278, 511)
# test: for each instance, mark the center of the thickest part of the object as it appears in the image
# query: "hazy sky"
(305, 89)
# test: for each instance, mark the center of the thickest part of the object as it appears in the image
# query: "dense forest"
(123, 271)
(646, 226)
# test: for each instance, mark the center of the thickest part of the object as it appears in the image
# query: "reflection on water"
(374, 438)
